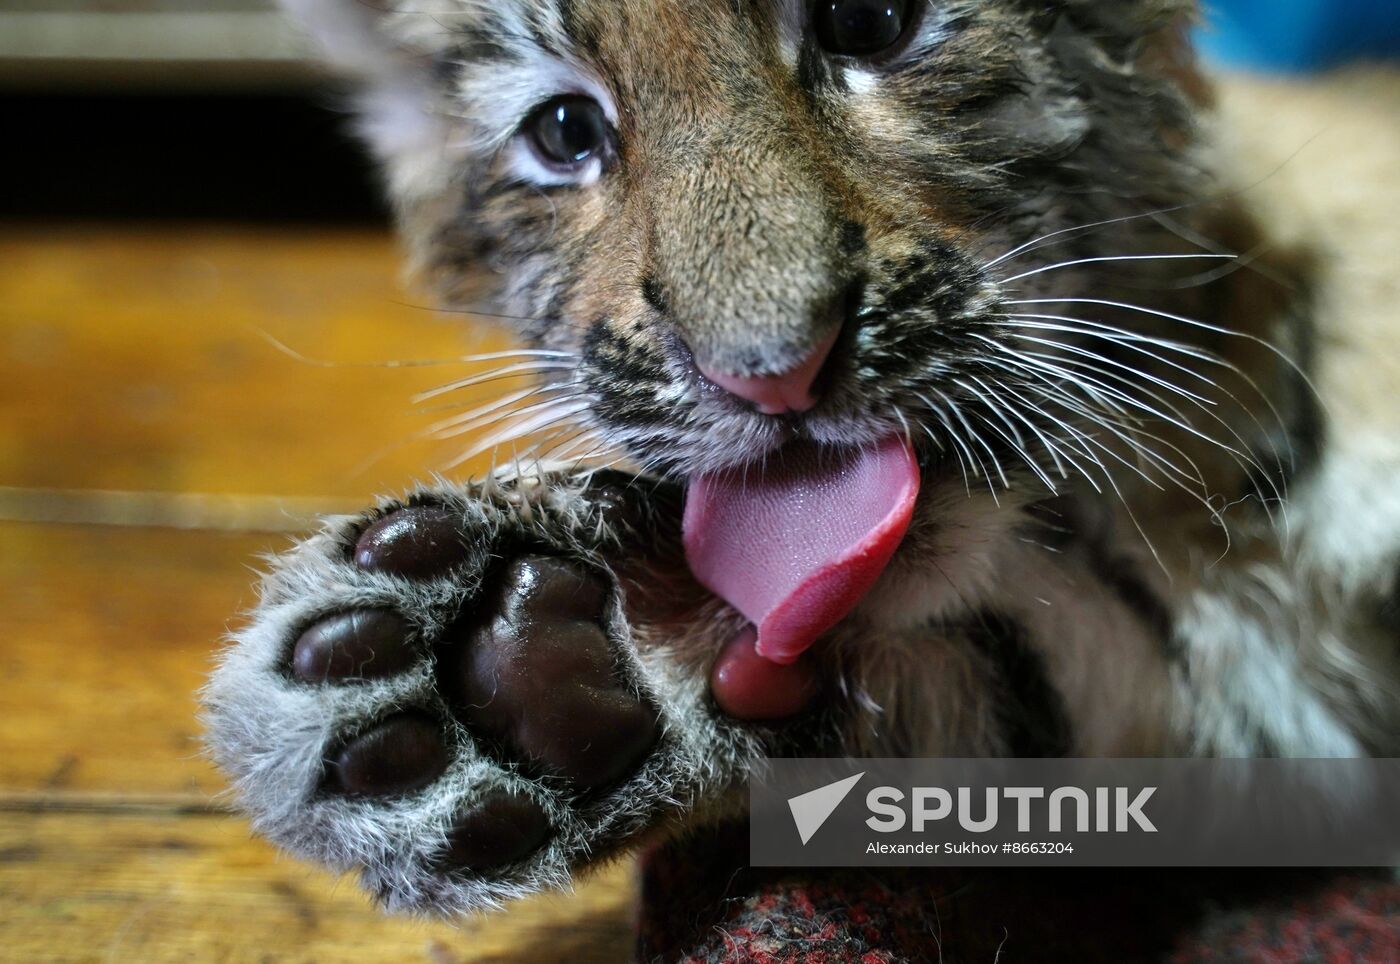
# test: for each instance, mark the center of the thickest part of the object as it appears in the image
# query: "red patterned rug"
(700, 904)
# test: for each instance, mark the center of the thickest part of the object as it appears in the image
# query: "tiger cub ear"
(349, 36)
(394, 100)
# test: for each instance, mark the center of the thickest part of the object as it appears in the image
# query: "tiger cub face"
(727, 210)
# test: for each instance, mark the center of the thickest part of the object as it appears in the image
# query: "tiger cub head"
(744, 222)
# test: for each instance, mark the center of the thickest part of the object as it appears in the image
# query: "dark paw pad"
(502, 830)
(359, 644)
(400, 755)
(418, 542)
(534, 669)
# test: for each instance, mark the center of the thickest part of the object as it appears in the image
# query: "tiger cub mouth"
(796, 541)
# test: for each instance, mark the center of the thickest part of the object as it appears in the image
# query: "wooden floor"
(154, 441)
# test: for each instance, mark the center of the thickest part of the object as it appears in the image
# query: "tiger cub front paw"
(445, 695)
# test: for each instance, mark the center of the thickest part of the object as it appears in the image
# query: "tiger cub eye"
(860, 28)
(568, 131)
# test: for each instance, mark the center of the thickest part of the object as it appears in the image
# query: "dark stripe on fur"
(1030, 712)
(654, 296)
(1063, 522)
(1135, 594)
(816, 73)
(1389, 611)
(1293, 449)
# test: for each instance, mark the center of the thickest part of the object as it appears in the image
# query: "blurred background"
(1299, 34)
(176, 189)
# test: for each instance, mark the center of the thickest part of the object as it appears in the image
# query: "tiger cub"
(915, 377)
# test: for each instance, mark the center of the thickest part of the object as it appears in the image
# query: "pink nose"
(789, 391)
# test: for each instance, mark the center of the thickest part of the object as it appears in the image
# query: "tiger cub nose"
(786, 392)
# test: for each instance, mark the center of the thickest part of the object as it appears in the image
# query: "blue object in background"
(1299, 34)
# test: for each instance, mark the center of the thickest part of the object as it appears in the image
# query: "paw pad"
(536, 673)
(504, 828)
(358, 644)
(398, 756)
(418, 542)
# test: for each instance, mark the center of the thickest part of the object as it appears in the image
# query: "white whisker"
(468, 420)
(1206, 356)
(292, 353)
(538, 421)
(1122, 257)
(496, 374)
(1195, 323)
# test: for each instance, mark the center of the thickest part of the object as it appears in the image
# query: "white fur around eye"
(861, 82)
(524, 166)
(505, 94)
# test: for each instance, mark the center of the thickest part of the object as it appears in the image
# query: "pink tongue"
(795, 544)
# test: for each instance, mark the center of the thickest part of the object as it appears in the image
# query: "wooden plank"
(105, 635)
(156, 888)
(133, 360)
